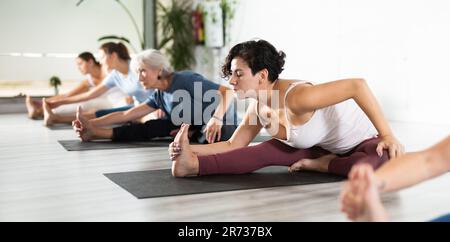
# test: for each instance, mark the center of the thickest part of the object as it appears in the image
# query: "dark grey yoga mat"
(160, 183)
(60, 127)
(77, 145)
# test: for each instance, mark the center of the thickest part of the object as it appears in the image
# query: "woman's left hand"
(390, 143)
(213, 130)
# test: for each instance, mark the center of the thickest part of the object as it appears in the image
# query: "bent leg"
(363, 153)
(252, 158)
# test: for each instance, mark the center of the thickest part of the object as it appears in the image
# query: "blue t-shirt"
(128, 84)
(192, 87)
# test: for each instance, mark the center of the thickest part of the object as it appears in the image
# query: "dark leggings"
(161, 128)
(143, 132)
(276, 153)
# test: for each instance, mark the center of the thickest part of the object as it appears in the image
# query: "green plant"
(177, 40)
(55, 82)
(228, 10)
(120, 38)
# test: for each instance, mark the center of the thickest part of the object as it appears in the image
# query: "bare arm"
(304, 99)
(81, 88)
(225, 102)
(124, 116)
(214, 126)
(414, 168)
(245, 133)
(94, 93)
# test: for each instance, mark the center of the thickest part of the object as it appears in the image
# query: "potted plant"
(55, 82)
(177, 40)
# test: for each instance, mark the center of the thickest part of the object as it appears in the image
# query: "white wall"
(58, 26)
(401, 47)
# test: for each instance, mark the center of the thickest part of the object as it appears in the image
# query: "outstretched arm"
(360, 196)
(94, 93)
(214, 126)
(242, 137)
(305, 99)
(81, 88)
(414, 168)
(124, 116)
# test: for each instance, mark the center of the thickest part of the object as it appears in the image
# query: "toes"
(80, 114)
(296, 167)
(185, 132)
(182, 136)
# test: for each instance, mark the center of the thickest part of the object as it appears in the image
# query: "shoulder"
(86, 83)
(189, 75)
(188, 79)
(112, 75)
(295, 94)
(111, 78)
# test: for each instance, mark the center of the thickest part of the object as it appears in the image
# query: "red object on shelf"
(198, 24)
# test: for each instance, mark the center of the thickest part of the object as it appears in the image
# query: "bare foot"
(319, 164)
(82, 126)
(49, 116)
(34, 111)
(186, 163)
(361, 198)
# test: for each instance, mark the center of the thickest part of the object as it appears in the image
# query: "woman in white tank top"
(326, 128)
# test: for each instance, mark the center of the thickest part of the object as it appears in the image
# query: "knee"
(374, 160)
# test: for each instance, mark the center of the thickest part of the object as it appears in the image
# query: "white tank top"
(90, 81)
(338, 128)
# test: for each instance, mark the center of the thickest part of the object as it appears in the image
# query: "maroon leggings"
(276, 153)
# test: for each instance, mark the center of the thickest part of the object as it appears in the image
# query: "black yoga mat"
(160, 183)
(77, 145)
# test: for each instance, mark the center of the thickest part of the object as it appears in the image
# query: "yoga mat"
(60, 127)
(160, 183)
(77, 145)
(259, 139)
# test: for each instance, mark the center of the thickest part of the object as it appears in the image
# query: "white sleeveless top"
(338, 128)
(90, 81)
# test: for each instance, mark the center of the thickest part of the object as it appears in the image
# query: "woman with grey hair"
(183, 96)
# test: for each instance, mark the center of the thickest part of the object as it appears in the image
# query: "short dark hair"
(259, 55)
(87, 56)
(118, 48)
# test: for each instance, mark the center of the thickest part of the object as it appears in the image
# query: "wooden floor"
(40, 181)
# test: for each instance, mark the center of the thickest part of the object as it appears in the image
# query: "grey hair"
(155, 59)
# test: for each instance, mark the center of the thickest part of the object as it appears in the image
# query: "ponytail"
(119, 48)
